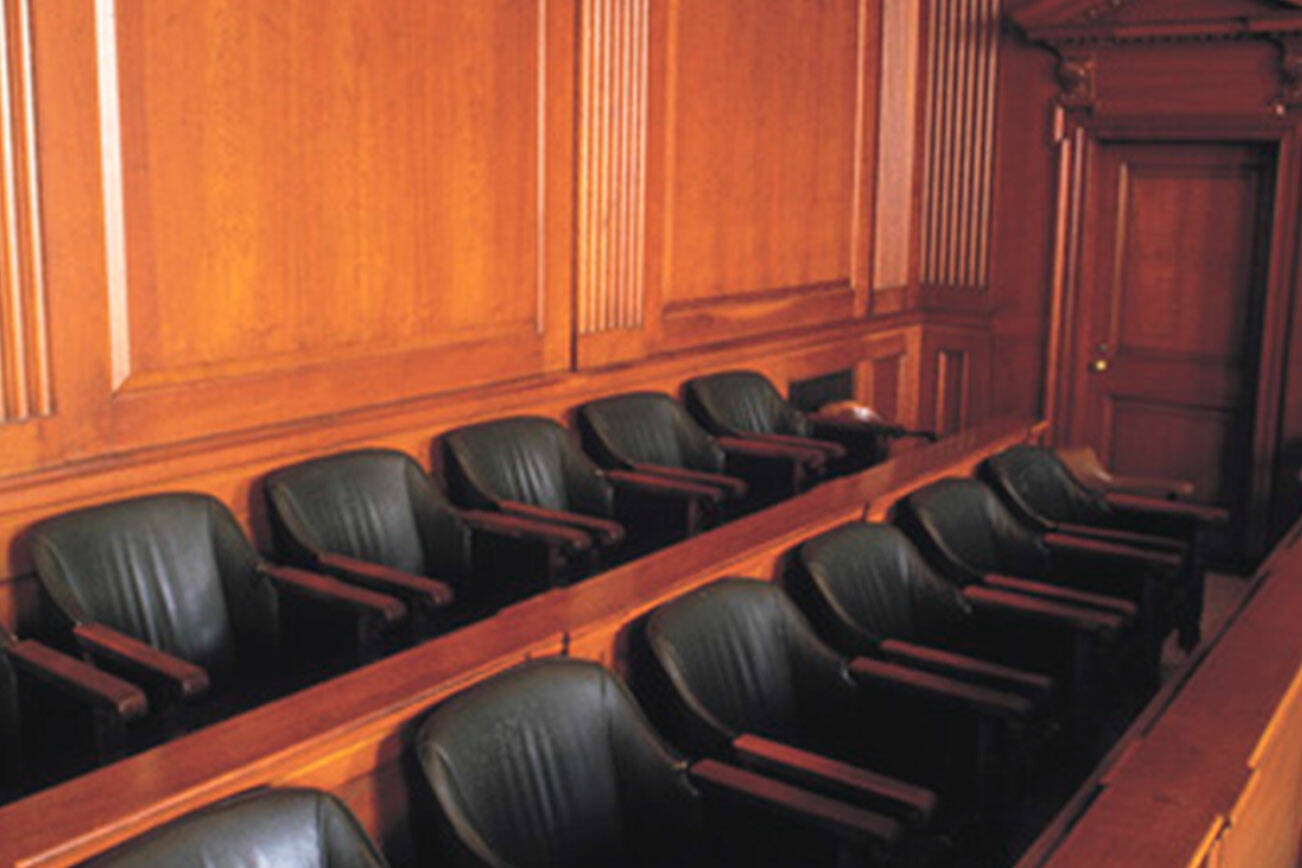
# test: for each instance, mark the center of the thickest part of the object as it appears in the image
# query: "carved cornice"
(1057, 24)
(1076, 79)
(1290, 72)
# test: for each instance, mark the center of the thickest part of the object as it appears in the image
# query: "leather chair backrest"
(1039, 485)
(743, 402)
(173, 570)
(742, 658)
(651, 428)
(868, 583)
(376, 505)
(963, 522)
(10, 726)
(524, 458)
(553, 763)
(300, 828)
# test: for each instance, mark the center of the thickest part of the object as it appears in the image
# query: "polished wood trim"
(1171, 798)
(26, 379)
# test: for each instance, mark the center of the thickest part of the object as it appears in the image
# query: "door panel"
(1171, 287)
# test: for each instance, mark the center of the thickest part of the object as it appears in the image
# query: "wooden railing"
(1210, 774)
(350, 735)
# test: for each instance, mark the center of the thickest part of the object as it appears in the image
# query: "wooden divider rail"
(1211, 773)
(349, 736)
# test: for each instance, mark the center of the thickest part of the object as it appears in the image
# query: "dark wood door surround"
(1174, 251)
(1168, 316)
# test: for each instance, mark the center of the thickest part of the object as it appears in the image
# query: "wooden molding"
(613, 97)
(1290, 71)
(26, 387)
(1076, 79)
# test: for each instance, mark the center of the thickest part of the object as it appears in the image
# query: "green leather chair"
(289, 827)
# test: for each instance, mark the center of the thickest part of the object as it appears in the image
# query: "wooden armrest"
(1151, 485)
(603, 530)
(1059, 542)
(1043, 610)
(1175, 508)
(732, 485)
(755, 448)
(1125, 537)
(332, 591)
(983, 700)
(845, 821)
(1072, 596)
(961, 666)
(828, 447)
(851, 783)
(516, 527)
(656, 484)
(80, 680)
(179, 677)
(419, 591)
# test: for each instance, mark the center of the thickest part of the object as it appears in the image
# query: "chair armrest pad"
(849, 782)
(656, 484)
(518, 527)
(1060, 542)
(756, 448)
(961, 666)
(332, 591)
(80, 680)
(827, 447)
(418, 590)
(1175, 508)
(605, 531)
(1044, 610)
(845, 821)
(1125, 537)
(1071, 596)
(983, 700)
(181, 677)
(732, 485)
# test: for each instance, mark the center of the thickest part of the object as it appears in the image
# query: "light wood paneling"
(612, 165)
(897, 144)
(764, 219)
(26, 387)
(322, 206)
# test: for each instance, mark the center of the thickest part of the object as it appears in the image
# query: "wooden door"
(1166, 336)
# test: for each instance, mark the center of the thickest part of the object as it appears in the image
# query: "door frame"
(1079, 152)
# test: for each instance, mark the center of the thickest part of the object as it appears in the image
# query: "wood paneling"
(612, 165)
(897, 145)
(26, 388)
(764, 223)
(959, 146)
(365, 193)
(952, 372)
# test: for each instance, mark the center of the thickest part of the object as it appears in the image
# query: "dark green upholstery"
(863, 583)
(173, 570)
(741, 658)
(647, 428)
(967, 532)
(553, 764)
(529, 459)
(376, 505)
(1041, 488)
(741, 403)
(283, 828)
(737, 403)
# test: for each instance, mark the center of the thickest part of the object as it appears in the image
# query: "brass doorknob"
(1098, 366)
